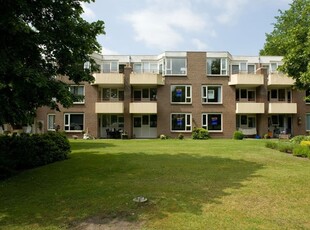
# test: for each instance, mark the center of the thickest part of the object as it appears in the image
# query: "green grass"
(212, 184)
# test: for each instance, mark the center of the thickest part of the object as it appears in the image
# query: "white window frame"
(244, 67)
(188, 122)
(169, 66)
(67, 125)
(224, 70)
(111, 67)
(205, 125)
(48, 123)
(188, 89)
(83, 94)
(205, 94)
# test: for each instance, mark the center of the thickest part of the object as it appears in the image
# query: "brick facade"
(196, 77)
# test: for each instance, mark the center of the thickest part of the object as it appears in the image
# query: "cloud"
(163, 23)
(199, 45)
(88, 13)
(106, 51)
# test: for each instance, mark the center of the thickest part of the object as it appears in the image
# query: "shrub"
(305, 143)
(26, 151)
(200, 134)
(285, 147)
(300, 138)
(271, 145)
(301, 151)
(163, 137)
(238, 135)
(180, 136)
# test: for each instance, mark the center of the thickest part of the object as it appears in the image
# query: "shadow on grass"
(81, 145)
(92, 184)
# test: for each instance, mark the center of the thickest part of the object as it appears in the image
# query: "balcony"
(150, 79)
(246, 79)
(280, 79)
(250, 108)
(109, 79)
(109, 107)
(282, 108)
(143, 107)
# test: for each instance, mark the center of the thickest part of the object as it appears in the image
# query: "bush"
(305, 143)
(163, 137)
(26, 151)
(180, 136)
(271, 145)
(200, 134)
(301, 151)
(285, 147)
(300, 138)
(238, 135)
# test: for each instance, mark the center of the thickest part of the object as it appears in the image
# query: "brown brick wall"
(196, 77)
(88, 108)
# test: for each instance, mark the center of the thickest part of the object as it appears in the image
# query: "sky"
(151, 27)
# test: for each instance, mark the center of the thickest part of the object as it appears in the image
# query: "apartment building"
(145, 96)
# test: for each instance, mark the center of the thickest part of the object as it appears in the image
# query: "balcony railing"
(109, 79)
(282, 108)
(250, 108)
(246, 79)
(143, 107)
(146, 79)
(280, 79)
(109, 107)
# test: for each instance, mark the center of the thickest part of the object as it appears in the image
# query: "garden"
(186, 183)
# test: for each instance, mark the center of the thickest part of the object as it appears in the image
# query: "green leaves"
(291, 39)
(40, 40)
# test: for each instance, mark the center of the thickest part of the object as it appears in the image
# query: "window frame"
(224, 70)
(205, 94)
(206, 119)
(188, 89)
(83, 94)
(169, 66)
(48, 122)
(68, 125)
(187, 125)
(111, 68)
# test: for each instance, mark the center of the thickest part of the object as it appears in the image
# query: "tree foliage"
(40, 40)
(291, 39)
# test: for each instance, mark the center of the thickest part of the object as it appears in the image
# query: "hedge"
(18, 153)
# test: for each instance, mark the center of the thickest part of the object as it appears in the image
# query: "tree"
(40, 40)
(291, 39)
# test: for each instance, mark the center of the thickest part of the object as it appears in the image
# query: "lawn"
(189, 184)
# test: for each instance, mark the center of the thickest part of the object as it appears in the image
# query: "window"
(74, 121)
(110, 67)
(243, 67)
(307, 96)
(212, 94)
(212, 122)
(145, 67)
(217, 66)
(176, 66)
(245, 95)
(145, 94)
(273, 67)
(181, 122)
(78, 92)
(245, 121)
(181, 94)
(112, 94)
(112, 121)
(308, 121)
(153, 120)
(51, 121)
